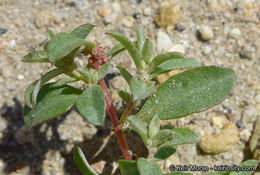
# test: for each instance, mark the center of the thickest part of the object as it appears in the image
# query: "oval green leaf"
(61, 45)
(146, 167)
(154, 126)
(174, 65)
(128, 45)
(191, 91)
(182, 136)
(82, 163)
(128, 167)
(141, 37)
(147, 52)
(115, 50)
(139, 127)
(51, 102)
(83, 30)
(164, 152)
(162, 136)
(159, 59)
(91, 105)
(36, 56)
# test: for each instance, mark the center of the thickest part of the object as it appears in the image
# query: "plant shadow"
(101, 151)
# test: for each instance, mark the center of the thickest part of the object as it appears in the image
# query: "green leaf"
(159, 59)
(51, 102)
(103, 70)
(191, 91)
(64, 81)
(115, 50)
(164, 152)
(128, 45)
(146, 167)
(50, 34)
(48, 76)
(139, 89)
(124, 95)
(82, 163)
(91, 105)
(141, 37)
(126, 75)
(182, 136)
(31, 88)
(83, 30)
(139, 126)
(249, 163)
(128, 167)
(85, 74)
(36, 56)
(162, 136)
(177, 173)
(174, 65)
(61, 45)
(147, 52)
(154, 126)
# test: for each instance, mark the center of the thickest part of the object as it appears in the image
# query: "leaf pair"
(139, 89)
(61, 48)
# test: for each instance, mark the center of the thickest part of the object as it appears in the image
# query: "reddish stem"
(113, 116)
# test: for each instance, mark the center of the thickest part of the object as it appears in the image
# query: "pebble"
(179, 28)
(177, 48)
(218, 143)
(245, 135)
(163, 41)
(10, 85)
(118, 82)
(42, 19)
(147, 11)
(257, 98)
(104, 13)
(235, 33)
(250, 114)
(20, 77)
(206, 32)
(245, 53)
(169, 13)
(216, 121)
(3, 31)
(53, 163)
(207, 50)
(128, 21)
(24, 135)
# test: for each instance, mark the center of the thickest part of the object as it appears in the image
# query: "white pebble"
(235, 33)
(163, 41)
(128, 21)
(217, 121)
(20, 77)
(177, 48)
(147, 11)
(257, 98)
(206, 32)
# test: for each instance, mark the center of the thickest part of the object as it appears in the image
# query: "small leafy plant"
(193, 90)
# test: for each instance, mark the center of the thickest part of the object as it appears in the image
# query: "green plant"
(194, 90)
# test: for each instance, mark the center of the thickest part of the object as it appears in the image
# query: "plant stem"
(114, 118)
(127, 111)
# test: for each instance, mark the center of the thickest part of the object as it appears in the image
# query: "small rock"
(206, 32)
(24, 135)
(245, 53)
(104, 13)
(207, 50)
(128, 21)
(20, 77)
(235, 33)
(147, 11)
(257, 98)
(216, 121)
(177, 48)
(179, 28)
(118, 82)
(218, 143)
(10, 86)
(163, 41)
(3, 30)
(250, 114)
(12, 43)
(53, 163)
(73, 4)
(239, 123)
(245, 135)
(136, 15)
(99, 166)
(42, 19)
(169, 13)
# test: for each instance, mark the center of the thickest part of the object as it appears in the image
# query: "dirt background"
(224, 33)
